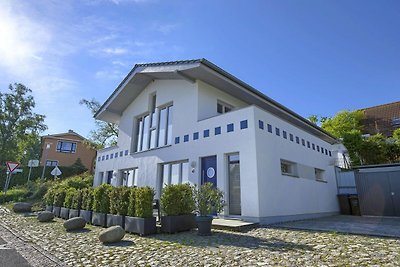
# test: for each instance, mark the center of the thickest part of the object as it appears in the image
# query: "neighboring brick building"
(382, 119)
(65, 148)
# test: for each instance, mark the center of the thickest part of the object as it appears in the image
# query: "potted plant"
(49, 199)
(101, 204)
(59, 196)
(177, 205)
(76, 204)
(119, 200)
(87, 204)
(69, 194)
(209, 200)
(140, 219)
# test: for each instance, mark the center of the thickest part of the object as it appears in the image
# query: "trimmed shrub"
(69, 195)
(119, 200)
(209, 199)
(101, 199)
(177, 200)
(59, 197)
(87, 199)
(14, 194)
(78, 182)
(49, 197)
(144, 202)
(132, 202)
(77, 200)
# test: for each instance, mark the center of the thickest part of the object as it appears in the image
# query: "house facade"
(382, 119)
(190, 121)
(65, 148)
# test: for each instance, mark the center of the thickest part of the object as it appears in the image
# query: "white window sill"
(321, 181)
(290, 175)
(152, 149)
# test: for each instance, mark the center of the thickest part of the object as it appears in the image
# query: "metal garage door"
(379, 192)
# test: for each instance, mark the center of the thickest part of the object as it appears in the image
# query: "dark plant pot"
(99, 219)
(73, 213)
(179, 223)
(56, 211)
(64, 213)
(87, 215)
(49, 208)
(141, 226)
(204, 225)
(115, 220)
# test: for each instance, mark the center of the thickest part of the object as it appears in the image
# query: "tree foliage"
(19, 125)
(105, 133)
(343, 122)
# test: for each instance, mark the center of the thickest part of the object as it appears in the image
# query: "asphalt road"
(9, 257)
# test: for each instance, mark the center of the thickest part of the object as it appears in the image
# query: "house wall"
(87, 155)
(266, 194)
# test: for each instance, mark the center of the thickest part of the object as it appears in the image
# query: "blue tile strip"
(217, 130)
(230, 128)
(243, 124)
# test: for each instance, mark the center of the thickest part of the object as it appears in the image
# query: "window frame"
(224, 106)
(71, 151)
(292, 168)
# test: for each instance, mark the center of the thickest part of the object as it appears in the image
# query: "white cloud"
(114, 51)
(166, 28)
(112, 74)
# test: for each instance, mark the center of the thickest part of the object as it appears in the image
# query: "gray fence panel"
(394, 180)
(375, 192)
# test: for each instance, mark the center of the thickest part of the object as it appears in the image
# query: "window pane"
(220, 108)
(129, 177)
(154, 119)
(169, 131)
(185, 172)
(153, 140)
(162, 128)
(175, 174)
(146, 126)
(139, 135)
(227, 109)
(135, 177)
(164, 179)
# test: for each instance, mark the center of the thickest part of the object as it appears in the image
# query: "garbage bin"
(344, 204)
(355, 205)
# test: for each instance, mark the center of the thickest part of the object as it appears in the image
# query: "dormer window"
(396, 122)
(223, 107)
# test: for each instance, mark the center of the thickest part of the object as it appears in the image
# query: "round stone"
(74, 223)
(22, 207)
(112, 234)
(45, 216)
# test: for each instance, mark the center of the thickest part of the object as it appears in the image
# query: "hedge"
(101, 199)
(87, 199)
(144, 202)
(119, 200)
(177, 200)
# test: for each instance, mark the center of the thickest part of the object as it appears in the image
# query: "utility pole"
(45, 158)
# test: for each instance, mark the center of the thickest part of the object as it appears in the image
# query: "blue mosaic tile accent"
(284, 133)
(106, 157)
(277, 131)
(261, 124)
(326, 151)
(297, 140)
(269, 126)
(291, 137)
(111, 155)
(177, 140)
(330, 154)
(102, 158)
(186, 138)
(116, 154)
(126, 152)
(229, 128)
(121, 153)
(195, 135)
(99, 158)
(318, 148)
(313, 146)
(243, 124)
(217, 130)
(303, 142)
(308, 144)
(206, 133)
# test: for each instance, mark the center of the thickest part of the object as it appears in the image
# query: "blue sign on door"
(209, 170)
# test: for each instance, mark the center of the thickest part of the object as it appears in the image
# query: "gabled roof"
(382, 119)
(198, 69)
(70, 132)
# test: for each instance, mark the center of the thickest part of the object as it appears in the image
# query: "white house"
(190, 121)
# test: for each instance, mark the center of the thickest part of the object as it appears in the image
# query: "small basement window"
(319, 175)
(223, 107)
(396, 122)
(288, 168)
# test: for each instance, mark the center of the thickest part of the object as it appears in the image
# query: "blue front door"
(209, 170)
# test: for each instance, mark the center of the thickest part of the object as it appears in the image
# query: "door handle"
(392, 193)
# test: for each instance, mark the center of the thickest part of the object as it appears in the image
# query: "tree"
(19, 125)
(106, 133)
(78, 166)
(343, 122)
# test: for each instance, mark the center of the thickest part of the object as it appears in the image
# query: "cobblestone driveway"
(258, 247)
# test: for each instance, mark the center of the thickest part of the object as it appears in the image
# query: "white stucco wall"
(265, 192)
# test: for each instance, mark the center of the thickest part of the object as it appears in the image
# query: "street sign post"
(56, 172)
(32, 163)
(11, 166)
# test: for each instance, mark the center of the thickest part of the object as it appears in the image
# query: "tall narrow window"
(162, 137)
(169, 129)
(146, 128)
(139, 135)
(175, 173)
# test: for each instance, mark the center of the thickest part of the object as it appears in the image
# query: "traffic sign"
(56, 171)
(12, 165)
(33, 163)
(17, 171)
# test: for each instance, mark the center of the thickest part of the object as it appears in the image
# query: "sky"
(314, 57)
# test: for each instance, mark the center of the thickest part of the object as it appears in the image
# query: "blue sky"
(315, 57)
